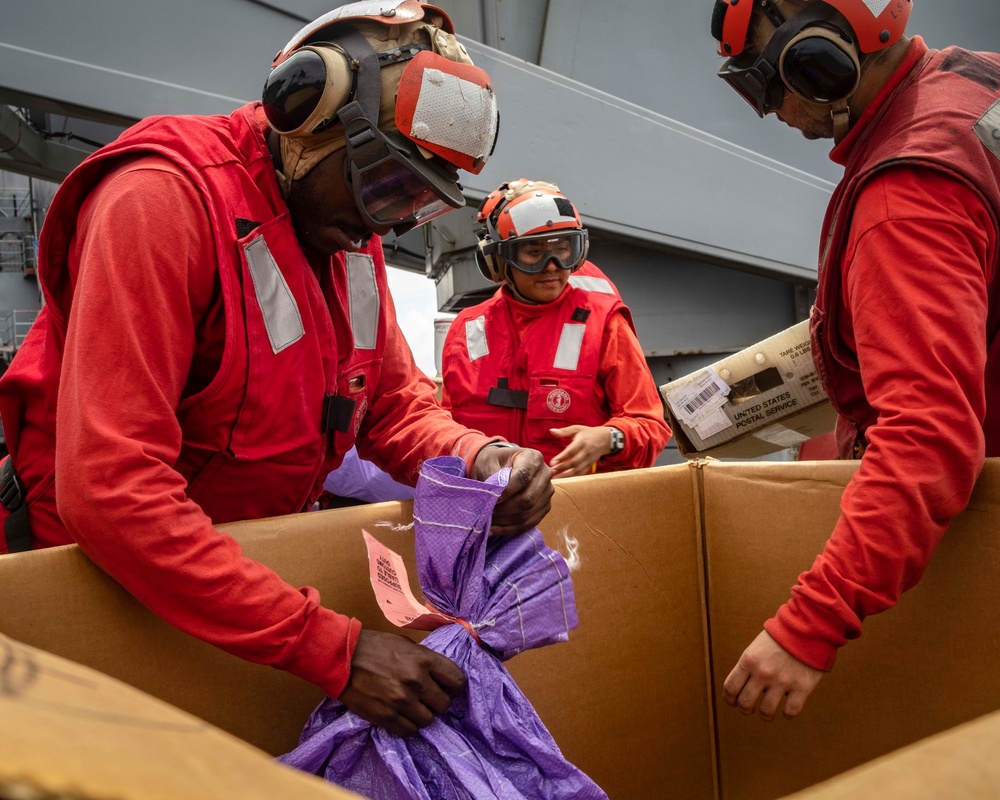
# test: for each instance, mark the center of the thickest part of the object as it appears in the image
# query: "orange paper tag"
(392, 590)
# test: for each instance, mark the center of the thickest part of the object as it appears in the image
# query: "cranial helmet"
(526, 224)
(504, 194)
(389, 82)
(811, 53)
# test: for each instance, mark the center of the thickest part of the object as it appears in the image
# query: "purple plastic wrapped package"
(516, 594)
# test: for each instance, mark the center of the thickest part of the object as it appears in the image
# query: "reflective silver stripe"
(537, 212)
(570, 344)
(988, 128)
(277, 305)
(363, 297)
(591, 284)
(876, 6)
(455, 113)
(475, 338)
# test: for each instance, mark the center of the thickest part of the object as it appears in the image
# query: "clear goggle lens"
(532, 254)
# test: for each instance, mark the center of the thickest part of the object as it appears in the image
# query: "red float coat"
(591, 278)
(175, 379)
(905, 328)
(516, 370)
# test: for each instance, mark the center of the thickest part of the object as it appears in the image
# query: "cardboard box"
(679, 567)
(70, 732)
(763, 399)
(961, 762)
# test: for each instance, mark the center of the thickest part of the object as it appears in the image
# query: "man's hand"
(399, 685)
(527, 497)
(766, 672)
(585, 450)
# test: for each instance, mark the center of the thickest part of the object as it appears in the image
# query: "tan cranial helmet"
(399, 54)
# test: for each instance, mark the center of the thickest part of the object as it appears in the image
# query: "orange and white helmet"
(504, 194)
(529, 225)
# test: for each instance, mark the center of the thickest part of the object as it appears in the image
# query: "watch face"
(617, 440)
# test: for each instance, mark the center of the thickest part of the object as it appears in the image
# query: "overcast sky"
(416, 310)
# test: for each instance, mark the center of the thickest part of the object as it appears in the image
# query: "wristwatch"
(617, 440)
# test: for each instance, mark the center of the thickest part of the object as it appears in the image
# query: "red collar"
(842, 152)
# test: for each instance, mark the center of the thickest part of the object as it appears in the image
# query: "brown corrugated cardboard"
(622, 697)
(69, 730)
(920, 668)
(611, 698)
(960, 763)
(633, 699)
(760, 400)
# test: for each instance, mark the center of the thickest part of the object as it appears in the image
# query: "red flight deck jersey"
(192, 366)
(516, 370)
(905, 336)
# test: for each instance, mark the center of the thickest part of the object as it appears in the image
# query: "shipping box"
(69, 732)
(678, 568)
(760, 400)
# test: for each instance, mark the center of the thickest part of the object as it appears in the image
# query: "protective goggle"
(393, 184)
(816, 64)
(756, 80)
(532, 254)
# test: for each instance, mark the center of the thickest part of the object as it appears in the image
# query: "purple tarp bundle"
(516, 593)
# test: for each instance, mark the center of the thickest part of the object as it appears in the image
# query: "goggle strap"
(773, 14)
(368, 83)
(360, 132)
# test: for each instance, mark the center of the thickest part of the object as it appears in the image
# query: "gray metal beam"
(24, 151)
(648, 178)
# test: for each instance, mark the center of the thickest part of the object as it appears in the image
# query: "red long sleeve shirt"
(920, 256)
(147, 329)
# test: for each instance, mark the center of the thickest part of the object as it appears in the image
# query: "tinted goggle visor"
(532, 254)
(756, 80)
(390, 192)
(392, 183)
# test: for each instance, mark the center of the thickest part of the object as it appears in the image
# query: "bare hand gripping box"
(760, 400)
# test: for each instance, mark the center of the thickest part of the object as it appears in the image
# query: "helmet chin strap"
(838, 112)
(841, 113)
(509, 283)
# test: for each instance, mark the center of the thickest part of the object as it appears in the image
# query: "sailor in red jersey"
(906, 320)
(545, 362)
(217, 333)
